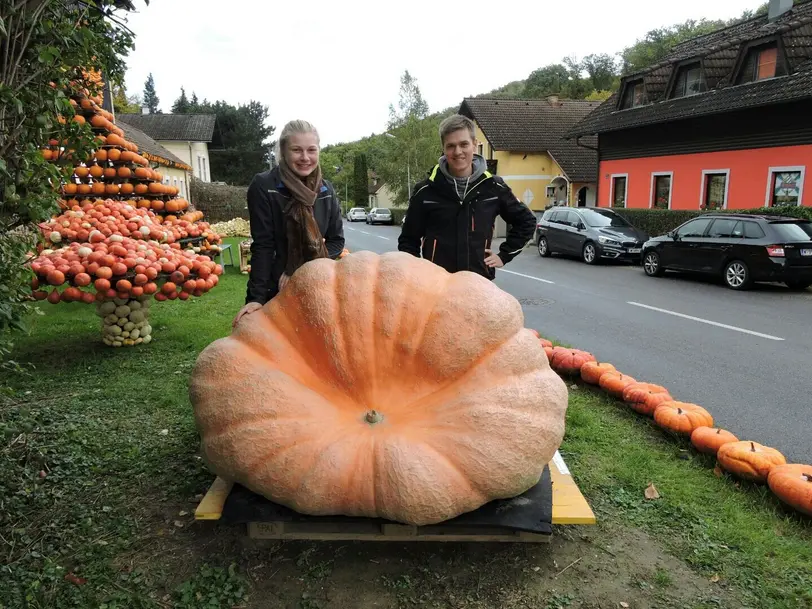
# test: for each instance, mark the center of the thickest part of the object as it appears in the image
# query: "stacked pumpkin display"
(792, 483)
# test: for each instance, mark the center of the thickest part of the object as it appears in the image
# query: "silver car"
(356, 213)
(380, 214)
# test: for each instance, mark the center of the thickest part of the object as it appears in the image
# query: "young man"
(451, 215)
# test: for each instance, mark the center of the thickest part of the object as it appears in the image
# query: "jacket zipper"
(433, 250)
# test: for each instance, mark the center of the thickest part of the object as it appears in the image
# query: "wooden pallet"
(569, 508)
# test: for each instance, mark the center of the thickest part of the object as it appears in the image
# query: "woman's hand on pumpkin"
(246, 310)
(282, 281)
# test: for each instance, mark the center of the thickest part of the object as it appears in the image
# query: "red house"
(725, 121)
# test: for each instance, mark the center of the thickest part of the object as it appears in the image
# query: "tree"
(360, 180)
(124, 104)
(194, 105)
(181, 105)
(48, 46)
(603, 71)
(151, 100)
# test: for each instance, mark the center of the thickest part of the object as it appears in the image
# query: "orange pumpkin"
(749, 460)
(405, 418)
(645, 397)
(569, 361)
(591, 372)
(792, 484)
(682, 417)
(709, 440)
(614, 383)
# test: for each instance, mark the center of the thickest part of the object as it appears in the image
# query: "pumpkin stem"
(752, 447)
(807, 476)
(718, 431)
(679, 410)
(373, 416)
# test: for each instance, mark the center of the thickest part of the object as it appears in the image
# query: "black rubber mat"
(531, 511)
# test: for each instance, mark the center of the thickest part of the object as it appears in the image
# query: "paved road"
(746, 356)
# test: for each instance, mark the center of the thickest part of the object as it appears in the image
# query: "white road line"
(382, 237)
(526, 276)
(705, 321)
(364, 232)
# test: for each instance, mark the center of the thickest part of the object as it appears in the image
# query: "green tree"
(45, 45)
(603, 71)
(194, 104)
(123, 103)
(360, 180)
(181, 105)
(151, 99)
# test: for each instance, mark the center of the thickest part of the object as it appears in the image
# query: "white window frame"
(705, 174)
(612, 189)
(772, 170)
(654, 176)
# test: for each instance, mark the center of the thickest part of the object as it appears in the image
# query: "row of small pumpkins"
(792, 483)
(115, 188)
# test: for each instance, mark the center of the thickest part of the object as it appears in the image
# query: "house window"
(761, 62)
(714, 189)
(690, 81)
(480, 149)
(619, 187)
(785, 186)
(634, 94)
(182, 189)
(205, 170)
(661, 190)
(200, 167)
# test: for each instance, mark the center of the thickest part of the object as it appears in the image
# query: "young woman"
(294, 214)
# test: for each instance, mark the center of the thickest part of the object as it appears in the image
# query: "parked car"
(592, 234)
(356, 213)
(380, 214)
(740, 248)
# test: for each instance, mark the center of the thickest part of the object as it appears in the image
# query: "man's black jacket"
(267, 196)
(455, 233)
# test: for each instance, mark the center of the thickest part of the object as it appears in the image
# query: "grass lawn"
(100, 477)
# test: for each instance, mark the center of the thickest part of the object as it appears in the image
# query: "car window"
(553, 217)
(793, 231)
(596, 217)
(568, 218)
(726, 227)
(752, 230)
(694, 228)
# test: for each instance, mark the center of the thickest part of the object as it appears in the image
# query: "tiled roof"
(149, 148)
(182, 127)
(719, 52)
(535, 125)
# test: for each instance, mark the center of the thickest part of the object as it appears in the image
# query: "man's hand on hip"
(492, 260)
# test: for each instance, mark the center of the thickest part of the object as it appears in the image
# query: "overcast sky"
(338, 64)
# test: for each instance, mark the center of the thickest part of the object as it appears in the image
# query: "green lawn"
(100, 477)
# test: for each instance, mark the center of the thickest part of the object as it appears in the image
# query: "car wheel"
(651, 264)
(798, 285)
(590, 253)
(544, 247)
(737, 275)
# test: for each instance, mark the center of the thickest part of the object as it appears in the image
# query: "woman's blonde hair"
(293, 128)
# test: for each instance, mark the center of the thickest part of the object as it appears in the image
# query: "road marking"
(382, 237)
(528, 276)
(364, 232)
(705, 321)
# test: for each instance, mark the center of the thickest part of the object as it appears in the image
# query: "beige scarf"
(305, 241)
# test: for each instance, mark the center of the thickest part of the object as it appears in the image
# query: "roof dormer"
(633, 94)
(688, 78)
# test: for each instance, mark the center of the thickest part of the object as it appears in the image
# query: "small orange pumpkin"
(614, 383)
(645, 397)
(569, 361)
(792, 484)
(749, 460)
(682, 417)
(709, 440)
(591, 372)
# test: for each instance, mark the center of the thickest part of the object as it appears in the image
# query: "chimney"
(553, 99)
(144, 110)
(778, 8)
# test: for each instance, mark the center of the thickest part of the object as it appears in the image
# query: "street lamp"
(408, 168)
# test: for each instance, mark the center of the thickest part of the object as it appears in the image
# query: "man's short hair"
(456, 122)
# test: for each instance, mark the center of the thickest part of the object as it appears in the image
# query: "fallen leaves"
(651, 492)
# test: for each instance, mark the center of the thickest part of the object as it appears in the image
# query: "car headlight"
(608, 241)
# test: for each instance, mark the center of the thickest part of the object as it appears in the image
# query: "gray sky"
(338, 64)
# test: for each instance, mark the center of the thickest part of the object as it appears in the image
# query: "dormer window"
(634, 94)
(761, 62)
(690, 81)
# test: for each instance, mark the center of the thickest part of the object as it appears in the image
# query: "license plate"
(634, 250)
(806, 252)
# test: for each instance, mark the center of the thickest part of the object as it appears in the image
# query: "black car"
(739, 248)
(590, 233)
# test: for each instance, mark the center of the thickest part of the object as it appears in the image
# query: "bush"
(659, 221)
(219, 203)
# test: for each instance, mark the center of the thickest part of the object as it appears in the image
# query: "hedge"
(218, 202)
(659, 221)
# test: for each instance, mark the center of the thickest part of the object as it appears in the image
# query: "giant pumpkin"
(438, 402)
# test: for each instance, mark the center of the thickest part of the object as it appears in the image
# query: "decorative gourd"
(404, 417)
(645, 397)
(792, 484)
(749, 460)
(569, 361)
(709, 440)
(614, 383)
(682, 417)
(591, 372)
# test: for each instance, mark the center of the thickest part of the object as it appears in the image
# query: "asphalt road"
(745, 356)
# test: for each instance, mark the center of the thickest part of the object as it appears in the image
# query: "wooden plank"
(569, 504)
(211, 506)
